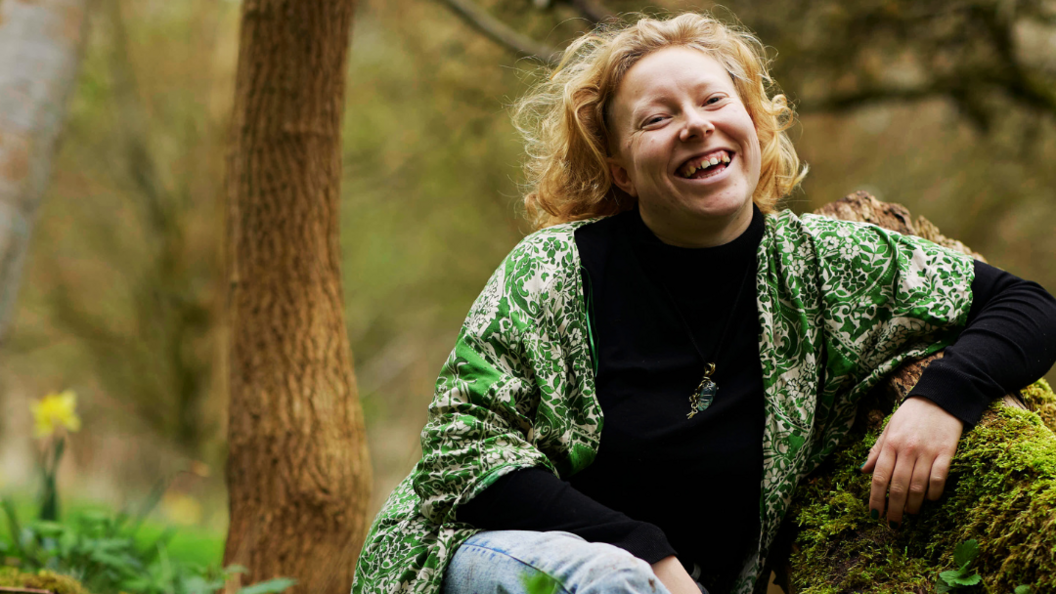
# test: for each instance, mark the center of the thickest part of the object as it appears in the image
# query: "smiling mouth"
(706, 166)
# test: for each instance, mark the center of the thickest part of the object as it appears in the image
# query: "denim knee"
(618, 571)
(503, 561)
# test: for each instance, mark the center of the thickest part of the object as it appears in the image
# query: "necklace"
(702, 397)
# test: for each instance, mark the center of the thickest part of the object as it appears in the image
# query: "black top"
(691, 487)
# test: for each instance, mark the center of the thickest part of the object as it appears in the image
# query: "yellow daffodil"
(55, 411)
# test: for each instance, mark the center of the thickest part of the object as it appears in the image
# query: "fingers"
(911, 459)
(874, 453)
(940, 469)
(884, 466)
(918, 486)
(901, 478)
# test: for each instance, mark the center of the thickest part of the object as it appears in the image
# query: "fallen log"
(1001, 490)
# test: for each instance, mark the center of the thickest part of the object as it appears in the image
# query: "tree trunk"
(40, 51)
(1001, 490)
(298, 472)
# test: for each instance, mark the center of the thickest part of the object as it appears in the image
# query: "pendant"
(701, 398)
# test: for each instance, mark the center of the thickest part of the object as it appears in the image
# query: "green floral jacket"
(840, 305)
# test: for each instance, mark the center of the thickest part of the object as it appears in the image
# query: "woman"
(724, 345)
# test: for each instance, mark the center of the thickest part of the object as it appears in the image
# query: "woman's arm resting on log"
(535, 499)
(1009, 341)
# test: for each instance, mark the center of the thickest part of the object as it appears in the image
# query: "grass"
(189, 544)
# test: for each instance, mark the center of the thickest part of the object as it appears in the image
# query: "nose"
(696, 125)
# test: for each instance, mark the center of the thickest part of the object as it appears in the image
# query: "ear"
(621, 178)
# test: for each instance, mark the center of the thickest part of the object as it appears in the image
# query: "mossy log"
(13, 581)
(1001, 489)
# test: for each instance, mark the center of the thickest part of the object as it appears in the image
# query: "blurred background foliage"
(945, 106)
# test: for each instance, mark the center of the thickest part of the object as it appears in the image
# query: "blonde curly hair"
(563, 118)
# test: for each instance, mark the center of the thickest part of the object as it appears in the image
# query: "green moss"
(1001, 492)
(11, 577)
(1038, 398)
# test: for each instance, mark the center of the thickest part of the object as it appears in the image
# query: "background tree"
(40, 51)
(163, 361)
(123, 295)
(298, 473)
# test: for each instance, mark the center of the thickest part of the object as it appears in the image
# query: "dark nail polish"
(875, 514)
(895, 525)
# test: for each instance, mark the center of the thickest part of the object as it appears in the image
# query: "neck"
(699, 232)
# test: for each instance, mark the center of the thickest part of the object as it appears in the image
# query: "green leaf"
(540, 583)
(48, 528)
(93, 517)
(60, 447)
(1024, 589)
(120, 563)
(965, 553)
(13, 526)
(942, 587)
(952, 576)
(111, 544)
(154, 548)
(268, 586)
(199, 585)
(970, 580)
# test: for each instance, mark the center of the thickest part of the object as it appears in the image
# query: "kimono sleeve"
(480, 418)
(887, 298)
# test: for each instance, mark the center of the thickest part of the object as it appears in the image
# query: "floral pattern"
(840, 304)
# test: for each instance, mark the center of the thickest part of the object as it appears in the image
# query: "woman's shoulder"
(541, 273)
(554, 245)
(815, 224)
(563, 232)
(836, 236)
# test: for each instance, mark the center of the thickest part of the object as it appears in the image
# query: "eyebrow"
(660, 98)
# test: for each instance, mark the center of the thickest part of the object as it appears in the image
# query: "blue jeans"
(506, 561)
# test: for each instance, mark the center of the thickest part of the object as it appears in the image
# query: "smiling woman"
(724, 344)
(676, 108)
(568, 134)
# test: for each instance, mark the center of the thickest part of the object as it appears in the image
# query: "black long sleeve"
(1008, 341)
(535, 499)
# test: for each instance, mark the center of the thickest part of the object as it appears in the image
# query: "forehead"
(666, 73)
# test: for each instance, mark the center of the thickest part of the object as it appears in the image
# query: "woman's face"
(676, 112)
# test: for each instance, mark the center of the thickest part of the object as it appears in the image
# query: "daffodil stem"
(49, 497)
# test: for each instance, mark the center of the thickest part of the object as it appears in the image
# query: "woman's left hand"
(912, 457)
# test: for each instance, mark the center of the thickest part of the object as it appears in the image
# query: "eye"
(653, 120)
(714, 99)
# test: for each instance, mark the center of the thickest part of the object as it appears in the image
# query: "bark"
(40, 51)
(298, 472)
(503, 34)
(1001, 490)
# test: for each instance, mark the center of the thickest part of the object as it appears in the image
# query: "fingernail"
(863, 465)
(894, 525)
(875, 513)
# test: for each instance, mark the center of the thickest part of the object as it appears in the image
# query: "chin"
(723, 208)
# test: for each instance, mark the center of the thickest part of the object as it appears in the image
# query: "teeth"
(690, 169)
